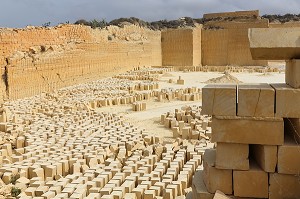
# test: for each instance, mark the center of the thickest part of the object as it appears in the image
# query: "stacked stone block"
(253, 141)
(256, 128)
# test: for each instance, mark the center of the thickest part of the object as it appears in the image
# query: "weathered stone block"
(292, 73)
(252, 183)
(289, 157)
(287, 101)
(232, 156)
(245, 130)
(274, 43)
(256, 100)
(216, 179)
(219, 100)
(265, 156)
(283, 186)
(292, 128)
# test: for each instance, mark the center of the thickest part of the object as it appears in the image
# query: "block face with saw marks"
(256, 100)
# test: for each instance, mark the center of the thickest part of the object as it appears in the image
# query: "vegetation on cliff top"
(156, 25)
(180, 23)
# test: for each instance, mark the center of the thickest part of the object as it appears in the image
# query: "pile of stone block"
(151, 74)
(186, 94)
(108, 92)
(231, 69)
(62, 148)
(188, 123)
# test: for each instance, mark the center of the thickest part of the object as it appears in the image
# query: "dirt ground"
(150, 119)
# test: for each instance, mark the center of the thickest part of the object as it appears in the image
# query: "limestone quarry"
(208, 111)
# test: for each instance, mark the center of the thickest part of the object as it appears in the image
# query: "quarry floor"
(150, 119)
(69, 115)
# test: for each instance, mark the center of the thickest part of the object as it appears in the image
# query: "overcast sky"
(20, 13)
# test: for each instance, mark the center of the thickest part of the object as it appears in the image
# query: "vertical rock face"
(181, 47)
(35, 60)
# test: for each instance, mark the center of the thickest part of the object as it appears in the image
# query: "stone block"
(274, 43)
(287, 101)
(252, 183)
(292, 128)
(38, 172)
(283, 186)
(220, 195)
(245, 130)
(180, 81)
(232, 156)
(139, 192)
(48, 195)
(117, 194)
(265, 156)
(94, 196)
(130, 196)
(105, 191)
(219, 100)
(199, 189)
(149, 194)
(292, 73)
(216, 179)
(41, 190)
(289, 157)
(49, 171)
(256, 100)
(168, 194)
(129, 185)
(30, 191)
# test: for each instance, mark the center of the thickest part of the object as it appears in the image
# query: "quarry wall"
(226, 42)
(227, 47)
(36, 60)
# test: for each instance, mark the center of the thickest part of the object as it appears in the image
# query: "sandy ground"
(150, 119)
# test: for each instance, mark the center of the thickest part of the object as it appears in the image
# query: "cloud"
(19, 13)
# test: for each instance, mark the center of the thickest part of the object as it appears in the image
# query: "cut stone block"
(48, 195)
(216, 179)
(41, 190)
(149, 194)
(232, 156)
(129, 196)
(287, 101)
(199, 188)
(292, 73)
(274, 43)
(292, 128)
(252, 183)
(139, 192)
(220, 195)
(219, 100)
(265, 156)
(244, 130)
(289, 157)
(168, 194)
(283, 186)
(256, 100)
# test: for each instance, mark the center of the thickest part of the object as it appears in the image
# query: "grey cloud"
(19, 13)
